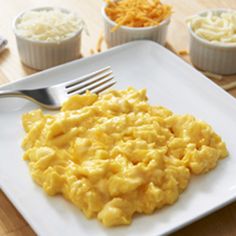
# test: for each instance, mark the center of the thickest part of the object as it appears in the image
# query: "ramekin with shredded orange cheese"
(128, 20)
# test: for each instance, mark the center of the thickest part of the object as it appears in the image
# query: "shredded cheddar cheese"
(183, 52)
(99, 43)
(137, 13)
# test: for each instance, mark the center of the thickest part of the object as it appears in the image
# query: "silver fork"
(53, 97)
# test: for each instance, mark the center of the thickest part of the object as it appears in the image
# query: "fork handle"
(11, 93)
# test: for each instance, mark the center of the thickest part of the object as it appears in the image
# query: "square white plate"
(170, 82)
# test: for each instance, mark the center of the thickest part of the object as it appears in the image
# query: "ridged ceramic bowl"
(42, 55)
(126, 34)
(218, 58)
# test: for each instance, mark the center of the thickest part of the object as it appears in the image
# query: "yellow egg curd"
(113, 155)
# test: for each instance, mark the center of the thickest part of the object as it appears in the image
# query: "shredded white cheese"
(48, 25)
(215, 27)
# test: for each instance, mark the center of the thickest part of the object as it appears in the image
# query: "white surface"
(171, 83)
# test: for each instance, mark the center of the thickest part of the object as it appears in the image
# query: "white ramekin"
(41, 55)
(218, 58)
(126, 34)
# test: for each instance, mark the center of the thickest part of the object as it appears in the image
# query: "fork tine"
(94, 86)
(90, 81)
(86, 77)
(103, 87)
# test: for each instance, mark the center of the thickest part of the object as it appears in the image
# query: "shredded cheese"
(183, 52)
(215, 27)
(229, 86)
(137, 13)
(212, 75)
(92, 51)
(99, 43)
(48, 25)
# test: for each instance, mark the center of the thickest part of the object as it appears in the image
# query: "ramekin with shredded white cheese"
(213, 41)
(48, 36)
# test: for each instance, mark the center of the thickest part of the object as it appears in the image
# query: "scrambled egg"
(114, 154)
